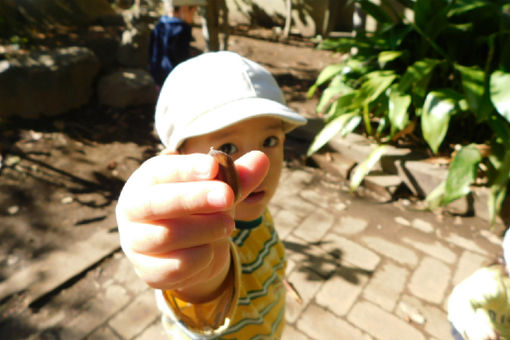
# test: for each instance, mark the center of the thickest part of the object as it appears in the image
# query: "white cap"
(215, 90)
(185, 2)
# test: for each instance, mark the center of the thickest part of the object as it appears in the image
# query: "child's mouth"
(255, 197)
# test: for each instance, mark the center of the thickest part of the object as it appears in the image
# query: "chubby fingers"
(183, 267)
(252, 168)
(174, 185)
(163, 236)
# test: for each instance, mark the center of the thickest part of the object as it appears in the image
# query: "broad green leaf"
(500, 93)
(364, 168)
(344, 44)
(496, 198)
(383, 123)
(499, 187)
(342, 105)
(329, 72)
(435, 197)
(430, 18)
(341, 125)
(462, 173)
(386, 56)
(375, 83)
(398, 107)
(336, 88)
(417, 72)
(501, 129)
(462, 7)
(473, 84)
(438, 108)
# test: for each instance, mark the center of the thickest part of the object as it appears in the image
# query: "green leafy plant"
(442, 77)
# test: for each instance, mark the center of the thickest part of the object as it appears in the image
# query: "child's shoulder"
(489, 275)
(170, 20)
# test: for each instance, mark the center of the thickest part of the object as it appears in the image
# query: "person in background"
(479, 306)
(171, 37)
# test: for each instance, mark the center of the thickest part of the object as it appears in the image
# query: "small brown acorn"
(227, 171)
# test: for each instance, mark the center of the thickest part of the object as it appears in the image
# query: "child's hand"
(175, 219)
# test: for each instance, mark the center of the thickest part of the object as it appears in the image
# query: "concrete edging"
(397, 167)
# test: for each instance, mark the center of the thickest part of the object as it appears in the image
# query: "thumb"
(252, 168)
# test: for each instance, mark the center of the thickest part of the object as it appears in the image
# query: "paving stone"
(334, 163)
(291, 333)
(350, 225)
(410, 309)
(46, 273)
(136, 316)
(290, 266)
(349, 252)
(422, 225)
(307, 283)
(469, 262)
(296, 204)
(381, 324)
(463, 242)
(436, 320)
(317, 197)
(103, 333)
(430, 280)
(115, 292)
(92, 316)
(402, 221)
(341, 291)
(126, 276)
(310, 256)
(285, 221)
(293, 181)
(386, 286)
(491, 237)
(384, 186)
(315, 226)
(319, 324)
(154, 332)
(433, 248)
(392, 250)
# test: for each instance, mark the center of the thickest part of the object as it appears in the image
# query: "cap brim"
(235, 112)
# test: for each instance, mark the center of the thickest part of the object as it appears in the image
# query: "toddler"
(170, 39)
(479, 306)
(216, 263)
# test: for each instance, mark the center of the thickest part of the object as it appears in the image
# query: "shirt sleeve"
(468, 299)
(206, 320)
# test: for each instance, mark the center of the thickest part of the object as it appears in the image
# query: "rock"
(126, 88)
(134, 48)
(47, 83)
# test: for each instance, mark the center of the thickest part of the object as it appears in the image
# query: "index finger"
(175, 168)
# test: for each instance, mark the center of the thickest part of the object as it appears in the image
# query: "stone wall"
(309, 17)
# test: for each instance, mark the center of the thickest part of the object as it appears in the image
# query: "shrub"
(442, 78)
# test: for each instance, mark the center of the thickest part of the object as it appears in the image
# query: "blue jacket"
(169, 45)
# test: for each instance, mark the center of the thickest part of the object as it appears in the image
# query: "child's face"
(264, 134)
(187, 13)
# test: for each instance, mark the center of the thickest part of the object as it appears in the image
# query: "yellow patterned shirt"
(254, 306)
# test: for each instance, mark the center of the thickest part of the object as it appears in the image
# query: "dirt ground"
(60, 177)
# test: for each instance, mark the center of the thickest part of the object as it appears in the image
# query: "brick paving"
(364, 269)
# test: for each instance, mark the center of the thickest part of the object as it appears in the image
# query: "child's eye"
(228, 148)
(270, 142)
